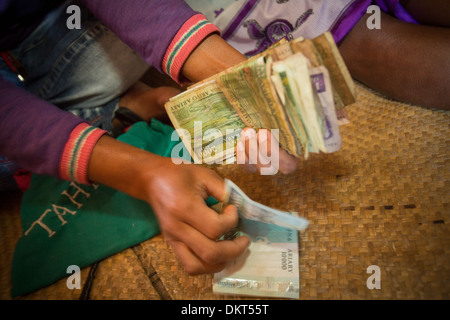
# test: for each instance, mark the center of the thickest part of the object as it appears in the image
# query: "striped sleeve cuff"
(193, 31)
(77, 152)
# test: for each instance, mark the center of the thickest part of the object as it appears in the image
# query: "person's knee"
(431, 12)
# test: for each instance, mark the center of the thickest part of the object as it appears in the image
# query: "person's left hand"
(261, 152)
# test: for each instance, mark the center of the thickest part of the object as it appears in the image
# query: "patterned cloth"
(251, 26)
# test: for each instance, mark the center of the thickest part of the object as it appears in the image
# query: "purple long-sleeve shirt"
(44, 139)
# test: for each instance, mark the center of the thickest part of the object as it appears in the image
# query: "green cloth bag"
(68, 224)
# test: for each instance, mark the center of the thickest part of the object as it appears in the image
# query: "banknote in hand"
(252, 210)
(270, 267)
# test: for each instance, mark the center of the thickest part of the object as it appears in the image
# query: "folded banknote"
(299, 87)
(252, 210)
(270, 267)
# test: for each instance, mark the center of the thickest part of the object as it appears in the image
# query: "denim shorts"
(84, 71)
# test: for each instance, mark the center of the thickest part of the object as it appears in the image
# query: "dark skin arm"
(177, 193)
(405, 62)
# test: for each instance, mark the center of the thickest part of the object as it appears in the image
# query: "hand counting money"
(270, 268)
(300, 88)
(252, 210)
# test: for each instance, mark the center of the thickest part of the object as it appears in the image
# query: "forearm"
(211, 56)
(123, 167)
(405, 62)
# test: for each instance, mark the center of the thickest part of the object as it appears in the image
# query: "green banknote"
(206, 122)
(273, 90)
(249, 87)
(296, 80)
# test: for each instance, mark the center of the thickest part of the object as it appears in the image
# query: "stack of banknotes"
(270, 267)
(299, 87)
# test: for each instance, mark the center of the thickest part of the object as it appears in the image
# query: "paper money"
(295, 77)
(270, 266)
(201, 114)
(252, 210)
(273, 90)
(287, 98)
(269, 269)
(249, 87)
(322, 51)
(321, 80)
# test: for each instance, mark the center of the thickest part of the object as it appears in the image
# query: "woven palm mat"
(383, 200)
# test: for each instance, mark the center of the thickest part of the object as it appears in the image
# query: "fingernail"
(250, 134)
(240, 146)
(262, 136)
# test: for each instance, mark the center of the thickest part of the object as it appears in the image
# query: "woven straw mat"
(383, 199)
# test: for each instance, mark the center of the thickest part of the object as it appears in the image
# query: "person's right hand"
(177, 194)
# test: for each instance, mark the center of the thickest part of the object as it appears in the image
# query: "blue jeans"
(84, 71)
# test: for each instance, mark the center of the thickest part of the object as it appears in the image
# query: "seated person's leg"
(431, 12)
(406, 62)
(147, 102)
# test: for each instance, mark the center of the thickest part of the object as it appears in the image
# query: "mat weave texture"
(383, 200)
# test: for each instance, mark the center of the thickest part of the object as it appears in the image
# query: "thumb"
(215, 186)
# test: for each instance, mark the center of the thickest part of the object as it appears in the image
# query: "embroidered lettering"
(72, 197)
(59, 214)
(60, 211)
(40, 223)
